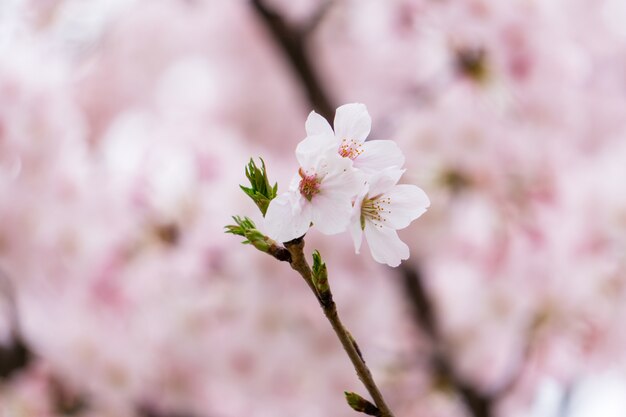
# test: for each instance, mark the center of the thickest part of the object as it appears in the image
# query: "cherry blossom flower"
(321, 194)
(352, 126)
(381, 208)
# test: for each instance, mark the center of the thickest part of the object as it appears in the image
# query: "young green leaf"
(260, 190)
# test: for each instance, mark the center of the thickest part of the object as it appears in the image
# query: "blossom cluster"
(345, 182)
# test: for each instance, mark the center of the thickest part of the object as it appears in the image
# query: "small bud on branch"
(320, 279)
(361, 405)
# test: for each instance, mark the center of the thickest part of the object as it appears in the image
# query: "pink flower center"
(350, 149)
(309, 184)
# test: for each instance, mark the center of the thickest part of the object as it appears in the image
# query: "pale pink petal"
(341, 178)
(356, 231)
(316, 125)
(378, 155)
(332, 164)
(384, 180)
(407, 203)
(346, 184)
(331, 215)
(287, 218)
(313, 148)
(385, 245)
(352, 122)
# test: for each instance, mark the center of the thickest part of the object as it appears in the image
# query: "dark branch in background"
(67, 401)
(481, 404)
(145, 410)
(478, 403)
(16, 355)
(293, 43)
(317, 18)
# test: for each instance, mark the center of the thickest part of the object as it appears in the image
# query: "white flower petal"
(344, 183)
(408, 202)
(287, 217)
(312, 149)
(352, 122)
(317, 125)
(357, 234)
(378, 155)
(384, 180)
(341, 178)
(331, 214)
(294, 185)
(333, 164)
(385, 245)
(355, 221)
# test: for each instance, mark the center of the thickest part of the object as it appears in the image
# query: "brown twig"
(300, 265)
(279, 252)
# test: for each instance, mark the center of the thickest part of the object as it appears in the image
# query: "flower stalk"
(300, 265)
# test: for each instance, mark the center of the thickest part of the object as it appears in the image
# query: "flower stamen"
(309, 184)
(375, 209)
(350, 149)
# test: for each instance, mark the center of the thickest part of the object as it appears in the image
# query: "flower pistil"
(309, 184)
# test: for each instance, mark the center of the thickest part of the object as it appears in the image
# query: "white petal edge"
(357, 234)
(312, 148)
(385, 245)
(355, 222)
(384, 181)
(408, 202)
(378, 155)
(352, 122)
(317, 125)
(285, 219)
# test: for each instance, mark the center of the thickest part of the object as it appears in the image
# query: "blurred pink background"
(124, 129)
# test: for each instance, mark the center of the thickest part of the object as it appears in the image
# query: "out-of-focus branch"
(293, 44)
(478, 403)
(517, 372)
(147, 411)
(15, 356)
(317, 18)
